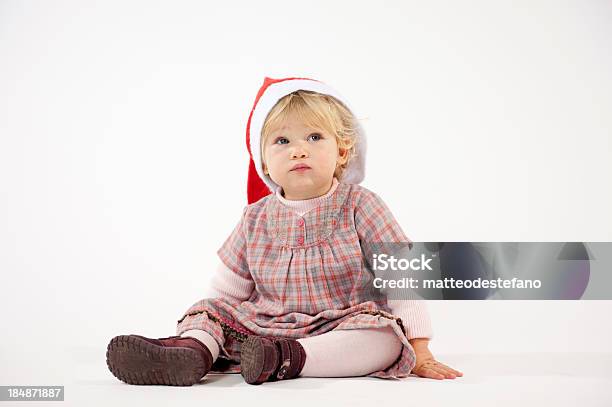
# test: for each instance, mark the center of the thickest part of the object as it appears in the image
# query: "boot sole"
(253, 359)
(136, 361)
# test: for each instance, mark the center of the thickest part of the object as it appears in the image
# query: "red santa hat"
(259, 184)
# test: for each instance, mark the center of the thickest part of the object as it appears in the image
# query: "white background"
(123, 161)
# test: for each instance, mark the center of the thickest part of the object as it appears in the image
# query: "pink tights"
(341, 353)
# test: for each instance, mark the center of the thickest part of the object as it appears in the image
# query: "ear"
(342, 155)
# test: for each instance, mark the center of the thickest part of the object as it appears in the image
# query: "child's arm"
(232, 278)
(414, 316)
(427, 365)
(227, 284)
(375, 223)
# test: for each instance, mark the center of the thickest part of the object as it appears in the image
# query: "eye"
(281, 140)
(315, 137)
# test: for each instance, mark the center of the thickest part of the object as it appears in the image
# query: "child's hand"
(427, 365)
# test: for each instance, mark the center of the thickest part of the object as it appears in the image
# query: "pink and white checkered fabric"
(309, 273)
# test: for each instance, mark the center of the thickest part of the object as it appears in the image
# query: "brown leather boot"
(172, 361)
(270, 359)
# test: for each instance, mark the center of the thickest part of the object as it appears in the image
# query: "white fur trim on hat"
(355, 171)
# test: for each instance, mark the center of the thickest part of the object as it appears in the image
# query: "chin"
(300, 182)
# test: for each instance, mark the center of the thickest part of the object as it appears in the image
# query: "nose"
(298, 151)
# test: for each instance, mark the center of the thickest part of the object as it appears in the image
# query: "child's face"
(294, 143)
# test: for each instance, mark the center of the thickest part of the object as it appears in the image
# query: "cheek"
(332, 153)
(268, 154)
(271, 159)
(327, 158)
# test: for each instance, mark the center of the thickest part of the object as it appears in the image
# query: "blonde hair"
(318, 111)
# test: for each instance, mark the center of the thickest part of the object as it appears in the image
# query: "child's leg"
(354, 352)
(206, 339)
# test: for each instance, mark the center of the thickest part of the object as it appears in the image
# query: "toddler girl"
(290, 297)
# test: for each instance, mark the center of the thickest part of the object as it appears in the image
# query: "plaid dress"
(309, 273)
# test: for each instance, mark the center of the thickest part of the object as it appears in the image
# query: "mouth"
(300, 167)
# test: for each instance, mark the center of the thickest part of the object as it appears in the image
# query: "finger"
(443, 371)
(431, 373)
(447, 375)
(449, 369)
(455, 372)
(421, 371)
